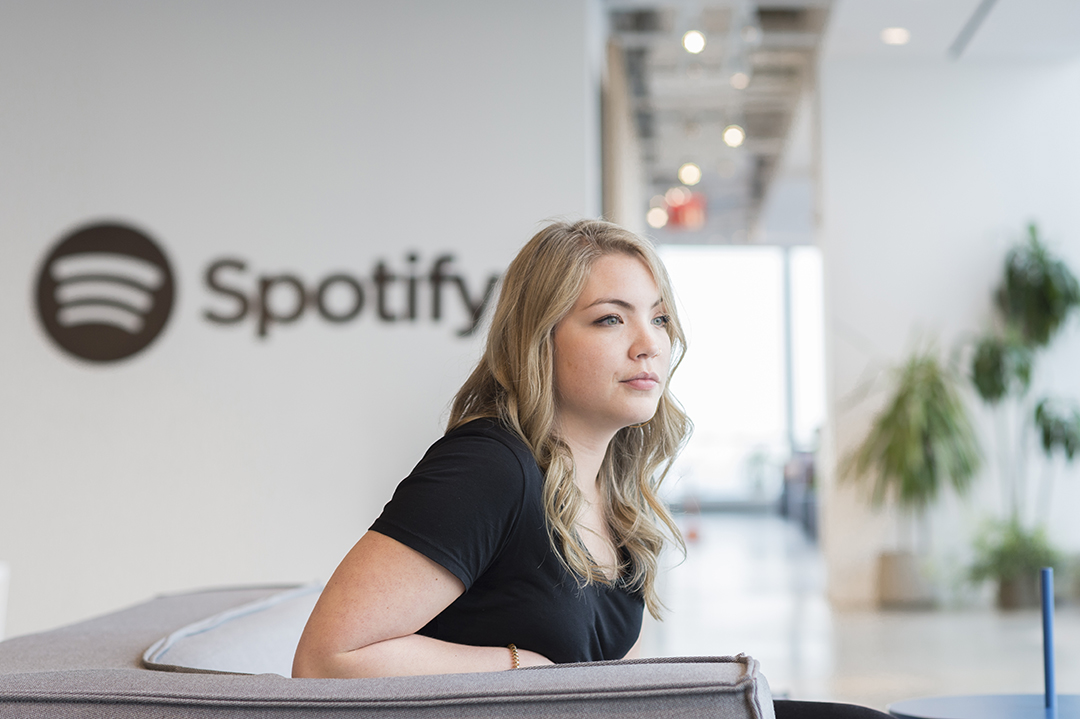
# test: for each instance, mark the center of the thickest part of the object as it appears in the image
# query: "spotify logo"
(105, 292)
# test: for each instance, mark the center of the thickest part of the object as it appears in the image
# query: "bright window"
(734, 379)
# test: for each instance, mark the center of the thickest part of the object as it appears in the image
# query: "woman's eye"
(609, 321)
(662, 320)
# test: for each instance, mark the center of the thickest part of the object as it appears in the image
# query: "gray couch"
(226, 653)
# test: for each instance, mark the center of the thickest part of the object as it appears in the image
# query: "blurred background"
(335, 187)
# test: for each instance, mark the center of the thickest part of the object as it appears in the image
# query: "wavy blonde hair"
(514, 382)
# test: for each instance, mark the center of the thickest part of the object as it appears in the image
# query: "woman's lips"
(643, 381)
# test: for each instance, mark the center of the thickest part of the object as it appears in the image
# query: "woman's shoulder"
(464, 499)
(484, 454)
(486, 427)
(487, 439)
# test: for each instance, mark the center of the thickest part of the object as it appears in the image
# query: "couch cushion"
(100, 674)
(118, 640)
(719, 687)
(255, 638)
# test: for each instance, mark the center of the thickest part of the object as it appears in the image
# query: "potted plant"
(1011, 554)
(920, 443)
(1036, 297)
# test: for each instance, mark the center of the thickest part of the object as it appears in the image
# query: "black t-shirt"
(474, 505)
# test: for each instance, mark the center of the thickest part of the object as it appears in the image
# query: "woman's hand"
(365, 622)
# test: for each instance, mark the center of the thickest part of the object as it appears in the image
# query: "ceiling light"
(895, 36)
(657, 217)
(693, 41)
(734, 135)
(677, 196)
(689, 174)
(740, 80)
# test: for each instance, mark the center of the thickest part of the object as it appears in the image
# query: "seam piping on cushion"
(152, 657)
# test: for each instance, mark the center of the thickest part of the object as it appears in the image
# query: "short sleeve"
(459, 505)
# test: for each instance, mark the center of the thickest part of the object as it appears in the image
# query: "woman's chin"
(641, 420)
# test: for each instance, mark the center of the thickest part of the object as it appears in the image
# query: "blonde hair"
(514, 382)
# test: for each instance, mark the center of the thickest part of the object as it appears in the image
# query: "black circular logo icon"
(105, 292)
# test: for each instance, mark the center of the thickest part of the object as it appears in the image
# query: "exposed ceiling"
(683, 102)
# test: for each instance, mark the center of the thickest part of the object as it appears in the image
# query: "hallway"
(752, 583)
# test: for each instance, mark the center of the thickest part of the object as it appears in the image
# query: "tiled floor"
(752, 583)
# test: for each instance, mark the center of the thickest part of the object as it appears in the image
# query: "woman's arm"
(365, 622)
(635, 651)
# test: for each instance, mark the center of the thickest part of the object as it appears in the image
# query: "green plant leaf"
(1058, 424)
(1001, 366)
(1039, 291)
(921, 441)
(1007, 550)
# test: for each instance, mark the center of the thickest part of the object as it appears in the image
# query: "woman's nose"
(646, 344)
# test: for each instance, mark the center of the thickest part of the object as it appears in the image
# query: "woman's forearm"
(365, 622)
(411, 655)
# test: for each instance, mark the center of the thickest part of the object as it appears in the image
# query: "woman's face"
(612, 351)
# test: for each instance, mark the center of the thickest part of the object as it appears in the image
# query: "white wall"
(931, 170)
(789, 213)
(302, 137)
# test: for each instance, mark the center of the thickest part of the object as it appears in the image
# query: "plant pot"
(1018, 592)
(901, 585)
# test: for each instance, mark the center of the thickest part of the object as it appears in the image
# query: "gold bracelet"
(514, 656)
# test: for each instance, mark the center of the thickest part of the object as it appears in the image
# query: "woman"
(530, 533)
